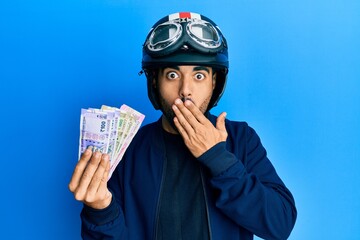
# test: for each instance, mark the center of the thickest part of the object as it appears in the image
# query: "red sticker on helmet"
(184, 15)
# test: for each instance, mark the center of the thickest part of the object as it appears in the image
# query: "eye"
(172, 75)
(199, 76)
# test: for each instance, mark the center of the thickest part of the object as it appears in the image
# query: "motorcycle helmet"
(185, 38)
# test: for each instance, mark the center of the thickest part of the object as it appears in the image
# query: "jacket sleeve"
(249, 190)
(108, 223)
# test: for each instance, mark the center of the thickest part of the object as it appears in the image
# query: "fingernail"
(188, 102)
(97, 154)
(87, 151)
(178, 101)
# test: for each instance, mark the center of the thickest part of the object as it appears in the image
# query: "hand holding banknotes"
(89, 180)
(105, 135)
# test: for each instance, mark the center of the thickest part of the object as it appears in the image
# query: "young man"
(190, 175)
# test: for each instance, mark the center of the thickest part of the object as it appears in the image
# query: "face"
(195, 83)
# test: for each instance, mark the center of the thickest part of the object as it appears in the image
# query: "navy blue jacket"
(245, 198)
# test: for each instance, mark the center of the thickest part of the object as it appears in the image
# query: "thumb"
(220, 122)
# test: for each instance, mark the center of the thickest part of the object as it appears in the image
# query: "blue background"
(294, 76)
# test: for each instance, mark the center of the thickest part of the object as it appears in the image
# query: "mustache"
(183, 99)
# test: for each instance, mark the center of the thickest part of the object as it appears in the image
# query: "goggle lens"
(204, 34)
(201, 32)
(164, 35)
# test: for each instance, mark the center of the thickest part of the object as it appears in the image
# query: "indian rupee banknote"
(109, 130)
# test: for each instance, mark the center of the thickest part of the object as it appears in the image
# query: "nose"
(185, 90)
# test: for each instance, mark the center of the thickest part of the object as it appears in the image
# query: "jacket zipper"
(159, 199)
(206, 202)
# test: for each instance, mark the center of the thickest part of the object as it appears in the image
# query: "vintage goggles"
(170, 36)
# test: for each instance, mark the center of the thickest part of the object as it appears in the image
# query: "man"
(190, 175)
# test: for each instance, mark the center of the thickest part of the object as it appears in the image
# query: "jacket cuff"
(218, 159)
(101, 216)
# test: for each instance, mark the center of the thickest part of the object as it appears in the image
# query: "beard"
(167, 111)
(169, 114)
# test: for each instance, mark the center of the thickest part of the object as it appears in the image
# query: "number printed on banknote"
(109, 130)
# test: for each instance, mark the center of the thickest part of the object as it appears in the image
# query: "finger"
(98, 179)
(195, 111)
(184, 121)
(220, 122)
(87, 176)
(191, 113)
(180, 128)
(106, 175)
(186, 112)
(79, 169)
(103, 189)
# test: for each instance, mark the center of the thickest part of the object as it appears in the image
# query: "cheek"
(167, 92)
(203, 97)
(204, 105)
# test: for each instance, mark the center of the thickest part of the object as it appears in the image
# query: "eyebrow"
(173, 67)
(197, 68)
(200, 68)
